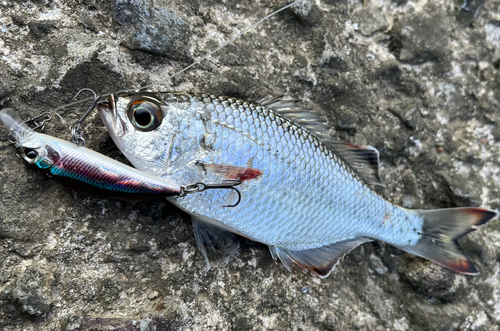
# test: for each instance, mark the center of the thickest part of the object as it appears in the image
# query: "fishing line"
(192, 64)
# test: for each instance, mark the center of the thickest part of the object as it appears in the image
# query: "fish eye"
(30, 155)
(145, 115)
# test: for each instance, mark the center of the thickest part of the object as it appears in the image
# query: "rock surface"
(418, 80)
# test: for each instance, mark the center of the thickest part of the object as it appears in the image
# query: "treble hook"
(200, 187)
(76, 133)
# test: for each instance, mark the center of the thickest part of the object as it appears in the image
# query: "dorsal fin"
(320, 260)
(363, 159)
(304, 117)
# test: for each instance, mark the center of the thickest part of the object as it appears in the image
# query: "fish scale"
(311, 201)
(307, 171)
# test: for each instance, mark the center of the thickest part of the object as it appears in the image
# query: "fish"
(82, 169)
(312, 199)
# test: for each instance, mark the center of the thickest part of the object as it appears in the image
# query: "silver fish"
(308, 198)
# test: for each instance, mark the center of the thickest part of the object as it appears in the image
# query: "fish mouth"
(109, 116)
(107, 106)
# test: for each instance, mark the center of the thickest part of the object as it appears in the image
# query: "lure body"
(83, 169)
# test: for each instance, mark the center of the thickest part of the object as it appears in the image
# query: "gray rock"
(40, 29)
(432, 280)
(377, 265)
(78, 323)
(3, 92)
(469, 10)
(307, 13)
(430, 104)
(496, 134)
(420, 38)
(461, 194)
(408, 114)
(29, 296)
(347, 121)
(148, 26)
(370, 21)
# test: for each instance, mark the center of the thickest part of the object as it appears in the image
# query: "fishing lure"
(89, 172)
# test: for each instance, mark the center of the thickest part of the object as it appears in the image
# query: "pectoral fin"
(230, 172)
(321, 260)
(214, 242)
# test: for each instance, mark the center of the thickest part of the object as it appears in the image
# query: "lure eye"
(30, 155)
(145, 115)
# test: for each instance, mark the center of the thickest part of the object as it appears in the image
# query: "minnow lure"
(311, 202)
(90, 172)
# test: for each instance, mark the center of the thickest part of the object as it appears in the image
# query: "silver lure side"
(184, 137)
(83, 169)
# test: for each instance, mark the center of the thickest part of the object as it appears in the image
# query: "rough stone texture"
(419, 80)
(372, 20)
(151, 27)
(421, 38)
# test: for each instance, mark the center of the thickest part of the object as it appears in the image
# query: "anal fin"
(214, 242)
(320, 260)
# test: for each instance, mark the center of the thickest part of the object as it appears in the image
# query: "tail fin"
(440, 231)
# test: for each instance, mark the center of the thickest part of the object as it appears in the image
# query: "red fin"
(478, 216)
(440, 231)
(463, 266)
(247, 173)
(231, 172)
